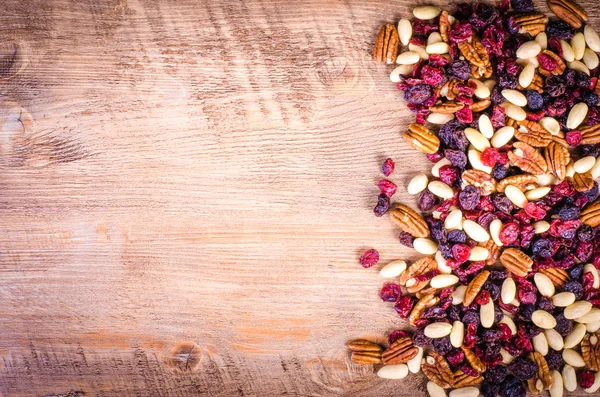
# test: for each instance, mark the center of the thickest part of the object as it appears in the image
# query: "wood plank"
(186, 188)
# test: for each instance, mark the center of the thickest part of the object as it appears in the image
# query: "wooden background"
(185, 189)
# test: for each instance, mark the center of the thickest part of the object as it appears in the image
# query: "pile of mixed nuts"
(507, 296)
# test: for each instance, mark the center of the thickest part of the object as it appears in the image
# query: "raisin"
(397, 334)
(382, 206)
(388, 167)
(426, 200)
(512, 387)
(554, 360)
(560, 29)
(418, 93)
(534, 100)
(469, 197)
(459, 70)
(523, 368)
(522, 5)
(495, 375)
(406, 239)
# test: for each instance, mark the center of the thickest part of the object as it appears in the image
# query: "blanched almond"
(439, 118)
(573, 358)
(426, 12)
(478, 254)
(584, 164)
(417, 184)
(589, 268)
(541, 227)
(526, 75)
(537, 193)
(567, 51)
(425, 246)
(458, 295)
(457, 334)
(495, 228)
(440, 189)
(443, 280)
(481, 91)
(393, 371)
(441, 263)
(513, 111)
(543, 319)
(404, 70)
(408, 58)
(577, 115)
(437, 48)
(590, 59)
(515, 97)
(563, 299)
(569, 378)
(476, 139)
(469, 391)
(435, 170)
(437, 330)
(393, 269)
(591, 38)
(405, 31)
(435, 37)
(592, 327)
(540, 344)
(515, 195)
(550, 124)
(546, 180)
(544, 284)
(454, 220)
(414, 364)
(575, 337)
(508, 291)
(577, 309)
(435, 390)
(570, 170)
(579, 66)
(528, 50)
(475, 231)
(486, 314)
(555, 340)
(595, 171)
(485, 126)
(507, 358)
(578, 45)
(556, 388)
(590, 317)
(542, 40)
(502, 136)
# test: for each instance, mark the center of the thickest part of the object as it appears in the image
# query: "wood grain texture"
(185, 189)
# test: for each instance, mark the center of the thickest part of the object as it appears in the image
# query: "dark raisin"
(502, 203)
(406, 239)
(546, 304)
(522, 5)
(456, 157)
(452, 136)
(585, 233)
(499, 172)
(469, 197)
(457, 236)
(442, 345)
(471, 317)
(563, 325)
(574, 287)
(489, 389)
(508, 81)
(426, 200)
(419, 338)
(523, 368)
(590, 98)
(560, 29)
(583, 80)
(382, 206)
(568, 213)
(534, 100)
(555, 86)
(589, 150)
(525, 312)
(554, 360)
(418, 93)
(496, 374)
(460, 70)
(543, 248)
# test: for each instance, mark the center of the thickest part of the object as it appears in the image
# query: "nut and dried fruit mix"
(506, 298)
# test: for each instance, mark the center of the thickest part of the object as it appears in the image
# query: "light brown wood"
(185, 190)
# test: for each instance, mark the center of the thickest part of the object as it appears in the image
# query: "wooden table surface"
(186, 187)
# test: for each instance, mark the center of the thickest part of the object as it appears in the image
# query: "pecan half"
(480, 179)
(590, 350)
(473, 360)
(494, 251)
(543, 377)
(422, 304)
(590, 135)
(559, 277)
(427, 291)
(399, 352)
(560, 65)
(475, 53)
(420, 267)
(591, 214)
(450, 107)
(583, 182)
(421, 139)
(463, 380)
(532, 23)
(523, 182)
(444, 25)
(474, 287)
(532, 134)
(516, 262)
(409, 221)
(437, 370)
(365, 352)
(527, 158)
(386, 44)
(557, 157)
(481, 105)
(569, 11)
(537, 83)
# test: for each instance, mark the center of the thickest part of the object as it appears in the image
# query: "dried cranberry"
(460, 31)
(449, 174)
(369, 258)
(459, 70)
(404, 305)
(573, 137)
(483, 297)
(437, 60)
(435, 157)
(498, 117)
(455, 357)
(490, 157)
(586, 379)
(388, 167)
(406, 239)
(433, 76)
(534, 211)
(505, 332)
(382, 206)
(390, 292)
(465, 115)
(547, 62)
(387, 187)
(509, 233)
(461, 252)
(527, 292)
(397, 334)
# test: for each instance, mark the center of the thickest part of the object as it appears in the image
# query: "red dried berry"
(527, 292)
(509, 233)
(464, 115)
(586, 379)
(449, 174)
(490, 156)
(437, 60)
(435, 157)
(461, 253)
(455, 357)
(387, 187)
(467, 100)
(433, 76)
(404, 305)
(460, 31)
(506, 332)
(536, 116)
(483, 297)
(573, 138)
(534, 211)
(369, 258)
(547, 62)
(475, 267)
(390, 292)
(388, 167)
(498, 118)
(397, 334)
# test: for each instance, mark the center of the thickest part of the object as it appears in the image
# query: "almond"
(485, 126)
(465, 392)
(544, 284)
(486, 314)
(457, 334)
(426, 12)
(556, 389)
(414, 364)
(417, 184)
(567, 51)
(543, 319)
(540, 344)
(590, 59)
(573, 358)
(528, 50)
(425, 246)
(477, 139)
(563, 299)
(405, 31)
(555, 340)
(569, 378)
(440, 189)
(577, 115)
(435, 390)
(578, 45)
(502, 136)
(577, 309)
(575, 337)
(408, 58)
(508, 291)
(495, 228)
(515, 97)
(516, 196)
(438, 330)
(591, 38)
(393, 371)
(526, 75)
(393, 269)
(443, 281)
(475, 231)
